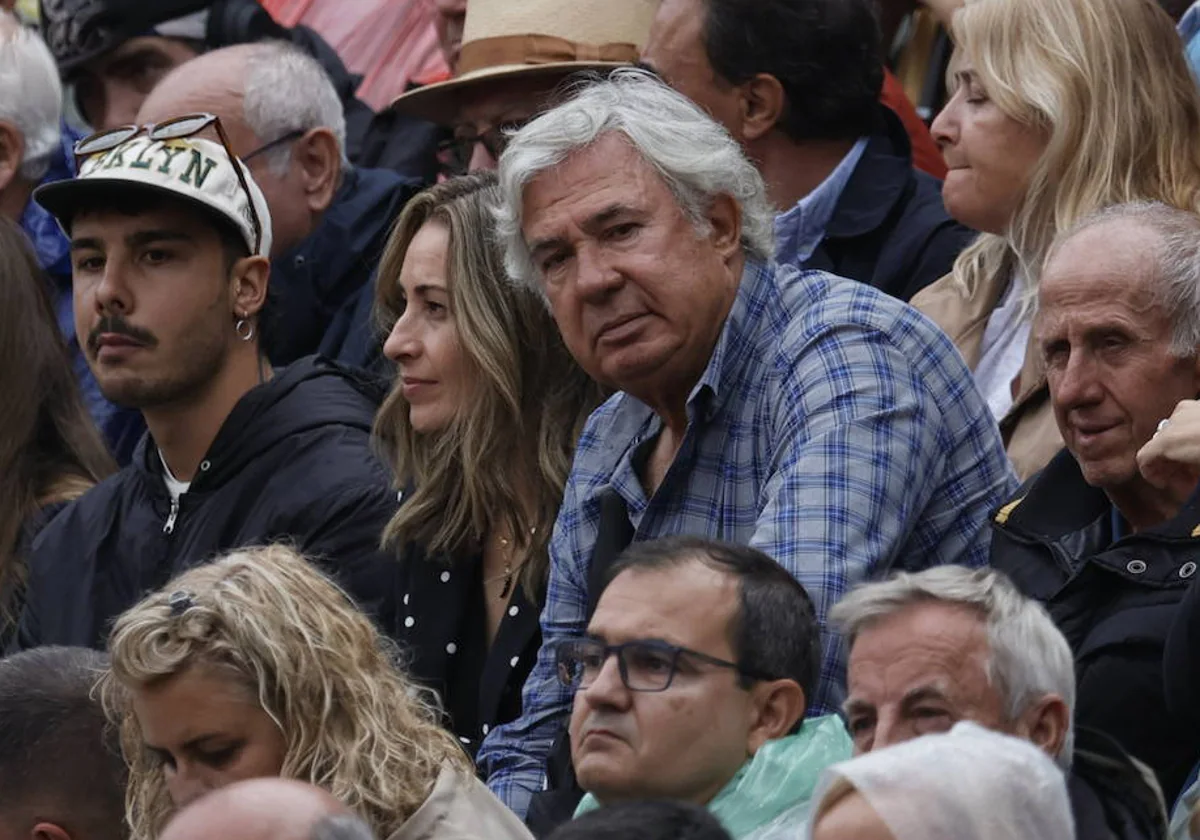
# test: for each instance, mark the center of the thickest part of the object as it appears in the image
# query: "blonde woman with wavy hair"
(257, 665)
(1058, 108)
(479, 429)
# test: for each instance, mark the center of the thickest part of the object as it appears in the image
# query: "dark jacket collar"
(1058, 502)
(878, 182)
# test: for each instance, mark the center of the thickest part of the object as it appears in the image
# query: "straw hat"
(504, 39)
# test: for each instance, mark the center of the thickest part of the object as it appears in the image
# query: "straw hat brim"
(439, 103)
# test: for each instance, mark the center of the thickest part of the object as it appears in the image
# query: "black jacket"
(292, 462)
(1112, 798)
(1113, 601)
(890, 229)
(441, 624)
(326, 277)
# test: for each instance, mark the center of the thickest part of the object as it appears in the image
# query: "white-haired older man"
(1109, 544)
(330, 220)
(950, 644)
(32, 153)
(814, 418)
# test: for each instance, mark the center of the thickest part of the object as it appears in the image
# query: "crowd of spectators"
(670, 423)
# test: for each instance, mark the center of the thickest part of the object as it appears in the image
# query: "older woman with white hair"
(967, 784)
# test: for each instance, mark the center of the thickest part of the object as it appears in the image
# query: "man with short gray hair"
(330, 219)
(949, 644)
(1107, 544)
(813, 418)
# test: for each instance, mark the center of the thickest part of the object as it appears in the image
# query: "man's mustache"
(116, 325)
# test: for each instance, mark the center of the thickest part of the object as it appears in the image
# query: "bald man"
(260, 809)
(330, 220)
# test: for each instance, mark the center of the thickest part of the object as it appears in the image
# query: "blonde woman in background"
(479, 430)
(1058, 108)
(257, 665)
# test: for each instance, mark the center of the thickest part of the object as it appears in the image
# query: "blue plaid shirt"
(834, 428)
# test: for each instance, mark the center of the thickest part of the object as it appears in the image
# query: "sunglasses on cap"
(176, 128)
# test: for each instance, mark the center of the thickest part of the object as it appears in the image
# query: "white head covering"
(967, 784)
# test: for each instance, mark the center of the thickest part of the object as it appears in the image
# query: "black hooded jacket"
(292, 462)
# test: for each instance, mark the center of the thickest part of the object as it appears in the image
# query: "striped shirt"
(835, 428)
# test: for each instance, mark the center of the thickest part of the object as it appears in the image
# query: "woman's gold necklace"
(510, 570)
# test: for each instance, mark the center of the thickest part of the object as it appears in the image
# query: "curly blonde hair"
(352, 721)
(1108, 82)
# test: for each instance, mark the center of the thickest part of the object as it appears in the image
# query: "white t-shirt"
(1003, 351)
(174, 486)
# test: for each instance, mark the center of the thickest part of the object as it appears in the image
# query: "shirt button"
(410, 621)
(513, 611)
(400, 496)
(1187, 569)
(513, 662)
(406, 600)
(205, 466)
(452, 648)
(486, 729)
(1135, 567)
(445, 577)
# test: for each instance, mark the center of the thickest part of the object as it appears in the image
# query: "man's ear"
(1046, 723)
(762, 105)
(48, 831)
(320, 162)
(248, 286)
(725, 219)
(778, 706)
(12, 151)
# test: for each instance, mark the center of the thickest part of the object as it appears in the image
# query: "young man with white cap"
(169, 234)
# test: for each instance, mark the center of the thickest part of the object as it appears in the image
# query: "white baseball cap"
(190, 168)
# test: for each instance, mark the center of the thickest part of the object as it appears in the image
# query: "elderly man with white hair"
(330, 220)
(951, 644)
(811, 417)
(33, 151)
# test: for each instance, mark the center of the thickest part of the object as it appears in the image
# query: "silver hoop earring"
(244, 329)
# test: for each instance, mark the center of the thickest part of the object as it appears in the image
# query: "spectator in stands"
(283, 677)
(1108, 550)
(112, 53)
(61, 774)
(169, 241)
(33, 152)
(928, 650)
(691, 685)
(513, 60)
(644, 821)
(259, 809)
(759, 405)
(50, 452)
(1059, 108)
(329, 220)
(966, 784)
(797, 84)
(479, 428)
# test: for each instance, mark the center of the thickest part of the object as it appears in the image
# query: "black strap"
(556, 805)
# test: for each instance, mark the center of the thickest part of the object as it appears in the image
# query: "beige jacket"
(1030, 432)
(462, 808)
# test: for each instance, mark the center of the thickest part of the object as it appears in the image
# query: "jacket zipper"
(169, 527)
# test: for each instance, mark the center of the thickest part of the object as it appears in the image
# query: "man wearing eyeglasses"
(691, 684)
(330, 219)
(169, 241)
